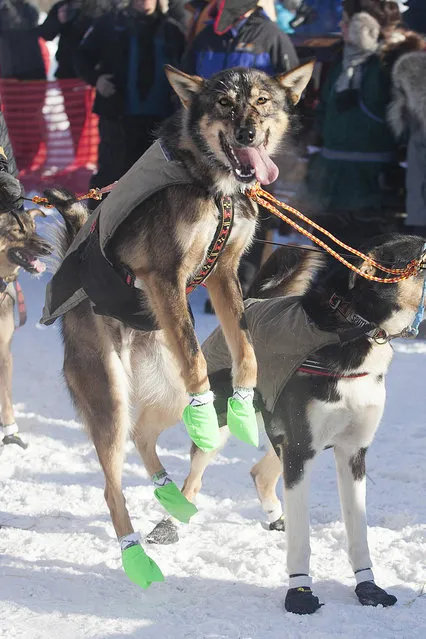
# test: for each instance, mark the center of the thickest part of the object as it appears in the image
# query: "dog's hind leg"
(352, 489)
(266, 474)
(99, 386)
(166, 531)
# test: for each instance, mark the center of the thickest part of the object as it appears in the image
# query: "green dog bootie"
(175, 502)
(201, 422)
(241, 419)
(140, 568)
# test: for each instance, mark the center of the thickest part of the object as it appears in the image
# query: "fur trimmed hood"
(408, 104)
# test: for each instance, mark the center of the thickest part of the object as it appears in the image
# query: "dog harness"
(89, 270)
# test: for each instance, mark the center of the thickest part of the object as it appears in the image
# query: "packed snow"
(60, 564)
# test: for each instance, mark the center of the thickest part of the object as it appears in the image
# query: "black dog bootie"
(371, 595)
(301, 601)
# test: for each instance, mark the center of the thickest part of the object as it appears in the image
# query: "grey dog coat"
(283, 337)
(88, 270)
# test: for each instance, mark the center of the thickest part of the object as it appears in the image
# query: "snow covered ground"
(60, 569)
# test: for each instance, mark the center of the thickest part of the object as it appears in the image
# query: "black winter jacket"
(20, 54)
(106, 48)
(70, 34)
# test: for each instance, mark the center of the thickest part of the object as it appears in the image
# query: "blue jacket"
(255, 42)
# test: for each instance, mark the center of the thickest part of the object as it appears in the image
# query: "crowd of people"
(370, 107)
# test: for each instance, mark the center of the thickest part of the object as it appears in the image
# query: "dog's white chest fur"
(353, 418)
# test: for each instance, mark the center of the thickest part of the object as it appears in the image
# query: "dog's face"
(20, 246)
(238, 117)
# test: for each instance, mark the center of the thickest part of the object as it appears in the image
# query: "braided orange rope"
(94, 194)
(260, 196)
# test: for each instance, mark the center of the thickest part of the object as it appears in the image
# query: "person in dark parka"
(123, 56)
(11, 190)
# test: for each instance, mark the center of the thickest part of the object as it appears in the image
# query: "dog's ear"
(296, 80)
(35, 213)
(185, 85)
(366, 268)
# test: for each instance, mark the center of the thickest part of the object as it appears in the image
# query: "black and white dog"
(322, 340)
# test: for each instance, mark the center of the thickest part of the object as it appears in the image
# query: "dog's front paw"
(301, 601)
(164, 533)
(371, 595)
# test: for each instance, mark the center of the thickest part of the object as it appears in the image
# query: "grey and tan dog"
(20, 247)
(220, 143)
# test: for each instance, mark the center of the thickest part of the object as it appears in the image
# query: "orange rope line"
(260, 196)
(94, 194)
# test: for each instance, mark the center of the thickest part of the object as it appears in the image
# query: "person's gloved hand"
(105, 86)
(11, 190)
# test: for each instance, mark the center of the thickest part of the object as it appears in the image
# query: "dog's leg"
(226, 297)
(266, 474)
(299, 598)
(166, 531)
(169, 303)
(9, 428)
(98, 382)
(352, 490)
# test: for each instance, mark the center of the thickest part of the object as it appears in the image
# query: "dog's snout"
(245, 134)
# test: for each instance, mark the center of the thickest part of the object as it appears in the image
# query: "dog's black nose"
(245, 135)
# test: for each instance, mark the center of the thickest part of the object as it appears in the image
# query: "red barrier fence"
(53, 131)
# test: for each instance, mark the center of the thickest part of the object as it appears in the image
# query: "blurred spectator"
(20, 53)
(202, 12)
(70, 19)
(21, 59)
(354, 182)
(239, 33)
(123, 55)
(11, 190)
(407, 115)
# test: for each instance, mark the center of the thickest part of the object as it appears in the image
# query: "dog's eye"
(262, 100)
(225, 102)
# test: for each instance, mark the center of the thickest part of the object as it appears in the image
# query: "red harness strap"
(310, 371)
(22, 307)
(312, 367)
(223, 231)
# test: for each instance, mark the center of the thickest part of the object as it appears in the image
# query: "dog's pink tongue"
(266, 170)
(39, 266)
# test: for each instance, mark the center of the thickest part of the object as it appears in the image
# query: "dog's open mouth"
(249, 163)
(26, 260)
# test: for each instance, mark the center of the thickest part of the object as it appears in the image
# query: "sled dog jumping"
(128, 267)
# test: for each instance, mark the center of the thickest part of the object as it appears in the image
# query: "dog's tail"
(74, 214)
(289, 271)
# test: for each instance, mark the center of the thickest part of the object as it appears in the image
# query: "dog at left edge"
(20, 248)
